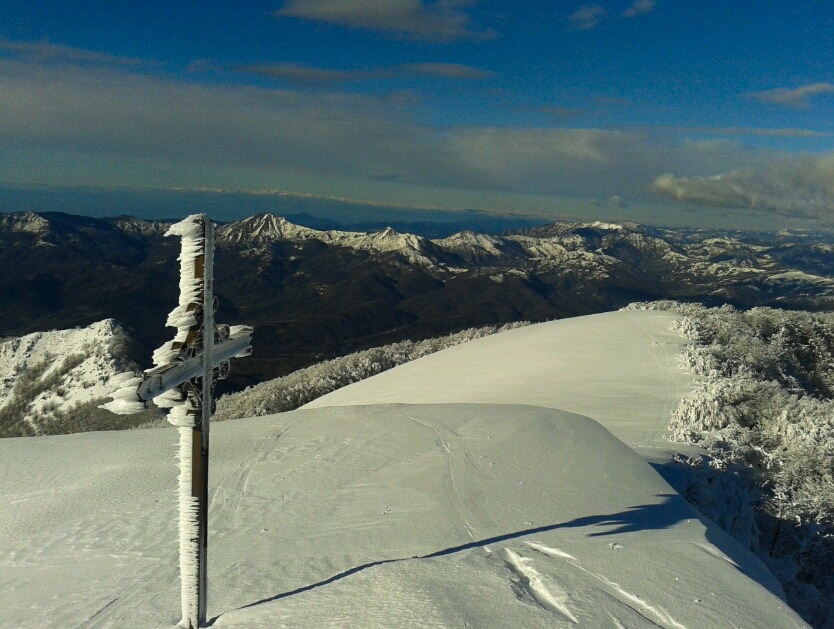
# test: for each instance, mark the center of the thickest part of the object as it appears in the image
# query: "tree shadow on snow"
(725, 493)
(668, 511)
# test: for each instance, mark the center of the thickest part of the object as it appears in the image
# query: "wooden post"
(188, 365)
(204, 271)
(201, 430)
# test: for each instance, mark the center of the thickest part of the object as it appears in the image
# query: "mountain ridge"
(317, 294)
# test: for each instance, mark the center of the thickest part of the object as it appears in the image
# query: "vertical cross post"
(183, 380)
(200, 433)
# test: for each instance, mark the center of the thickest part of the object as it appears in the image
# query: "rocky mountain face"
(313, 295)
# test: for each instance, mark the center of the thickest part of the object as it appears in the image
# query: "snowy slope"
(621, 369)
(45, 374)
(449, 515)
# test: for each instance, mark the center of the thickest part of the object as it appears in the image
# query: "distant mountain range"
(313, 294)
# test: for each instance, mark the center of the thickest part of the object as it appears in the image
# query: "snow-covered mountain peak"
(389, 240)
(25, 222)
(605, 226)
(46, 376)
(392, 239)
(264, 228)
(468, 237)
(474, 247)
(139, 226)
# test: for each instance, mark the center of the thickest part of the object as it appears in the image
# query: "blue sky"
(712, 112)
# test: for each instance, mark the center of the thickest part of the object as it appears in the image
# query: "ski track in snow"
(617, 623)
(241, 483)
(656, 615)
(456, 497)
(120, 611)
(715, 552)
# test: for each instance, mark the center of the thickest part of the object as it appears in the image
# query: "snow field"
(622, 369)
(373, 517)
(397, 515)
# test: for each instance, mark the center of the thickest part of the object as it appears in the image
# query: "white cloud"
(130, 128)
(587, 17)
(123, 115)
(799, 186)
(443, 20)
(797, 98)
(299, 74)
(750, 132)
(762, 132)
(640, 7)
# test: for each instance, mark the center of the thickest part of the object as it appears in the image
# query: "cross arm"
(157, 381)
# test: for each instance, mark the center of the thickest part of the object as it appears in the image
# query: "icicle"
(169, 399)
(183, 415)
(189, 533)
(184, 316)
(125, 401)
(184, 412)
(241, 330)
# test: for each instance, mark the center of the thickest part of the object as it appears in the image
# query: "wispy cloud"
(114, 117)
(448, 71)
(558, 113)
(796, 98)
(587, 17)
(640, 7)
(45, 51)
(299, 74)
(764, 132)
(440, 21)
(773, 132)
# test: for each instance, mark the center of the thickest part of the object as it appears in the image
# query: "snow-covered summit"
(413, 248)
(142, 227)
(46, 375)
(26, 222)
(477, 248)
(397, 515)
(264, 228)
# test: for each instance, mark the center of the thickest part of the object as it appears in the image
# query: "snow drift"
(397, 515)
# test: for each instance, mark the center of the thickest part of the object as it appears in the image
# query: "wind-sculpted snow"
(770, 436)
(373, 517)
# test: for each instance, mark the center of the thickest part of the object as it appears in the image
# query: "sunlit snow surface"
(620, 368)
(447, 515)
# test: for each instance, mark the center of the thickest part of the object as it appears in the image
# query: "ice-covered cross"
(183, 380)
